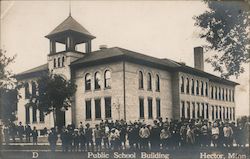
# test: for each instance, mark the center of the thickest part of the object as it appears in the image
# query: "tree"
(8, 89)
(53, 95)
(225, 26)
(5, 74)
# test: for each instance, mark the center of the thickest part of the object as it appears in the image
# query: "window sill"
(98, 118)
(34, 122)
(88, 119)
(107, 88)
(142, 89)
(97, 89)
(142, 118)
(149, 90)
(89, 90)
(157, 90)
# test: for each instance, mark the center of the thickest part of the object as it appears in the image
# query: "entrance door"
(60, 119)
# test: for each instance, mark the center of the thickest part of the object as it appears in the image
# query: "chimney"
(198, 58)
(102, 47)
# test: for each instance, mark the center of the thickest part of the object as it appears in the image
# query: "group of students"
(120, 135)
(13, 131)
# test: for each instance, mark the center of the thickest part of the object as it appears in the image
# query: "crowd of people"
(121, 135)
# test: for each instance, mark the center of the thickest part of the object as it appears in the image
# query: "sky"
(163, 29)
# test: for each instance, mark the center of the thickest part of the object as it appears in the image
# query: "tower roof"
(70, 24)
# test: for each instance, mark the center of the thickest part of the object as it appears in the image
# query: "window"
(87, 82)
(223, 93)
(202, 110)
(108, 107)
(207, 111)
(216, 93)
(59, 62)
(149, 82)
(107, 79)
(206, 89)
(182, 85)
(183, 109)
(27, 91)
(97, 80)
(140, 80)
(193, 110)
(230, 115)
(192, 86)
(158, 108)
(220, 112)
(197, 87)
(226, 95)
(27, 115)
(224, 113)
(202, 88)
(150, 108)
(233, 95)
(198, 110)
(54, 63)
(41, 116)
(216, 112)
(212, 92)
(187, 86)
(227, 113)
(34, 114)
(233, 113)
(229, 95)
(188, 110)
(63, 60)
(157, 83)
(212, 112)
(219, 93)
(33, 88)
(97, 108)
(88, 109)
(141, 107)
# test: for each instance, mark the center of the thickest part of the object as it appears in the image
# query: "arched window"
(222, 94)
(54, 63)
(59, 62)
(87, 82)
(63, 60)
(157, 83)
(202, 88)
(226, 95)
(97, 80)
(192, 86)
(27, 91)
(149, 81)
(219, 93)
(140, 80)
(187, 86)
(212, 92)
(215, 89)
(33, 88)
(206, 89)
(107, 79)
(197, 87)
(182, 85)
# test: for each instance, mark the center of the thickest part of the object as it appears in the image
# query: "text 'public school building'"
(116, 83)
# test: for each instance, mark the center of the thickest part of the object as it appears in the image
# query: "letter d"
(35, 155)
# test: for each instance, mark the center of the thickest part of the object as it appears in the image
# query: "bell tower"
(65, 40)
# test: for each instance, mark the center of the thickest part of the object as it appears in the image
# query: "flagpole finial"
(69, 7)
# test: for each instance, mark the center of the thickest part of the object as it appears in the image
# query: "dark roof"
(120, 52)
(33, 72)
(116, 53)
(70, 24)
